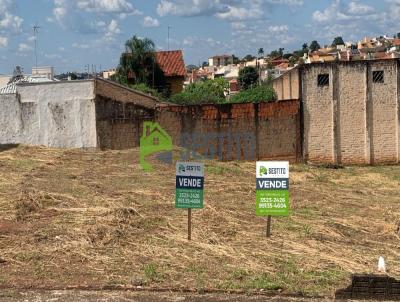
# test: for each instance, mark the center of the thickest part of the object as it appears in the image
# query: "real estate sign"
(189, 185)
(272, 191)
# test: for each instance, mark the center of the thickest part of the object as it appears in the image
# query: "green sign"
(189, 185)
(272, 188)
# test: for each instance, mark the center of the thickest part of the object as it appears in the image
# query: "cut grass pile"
(75, 218)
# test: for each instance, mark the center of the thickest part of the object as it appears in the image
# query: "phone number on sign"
(272, 206)
(273, 199)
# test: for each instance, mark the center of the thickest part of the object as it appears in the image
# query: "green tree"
(191, 67)
(236, 60)
(305, 47)
(261, 52)
(338, 41)
(292, 61)
(203, 92)
(248, 77)
(314, 46)
(138, 64)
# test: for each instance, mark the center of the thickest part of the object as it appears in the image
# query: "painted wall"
(51, 114)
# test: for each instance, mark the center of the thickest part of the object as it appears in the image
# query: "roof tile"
(171, 63)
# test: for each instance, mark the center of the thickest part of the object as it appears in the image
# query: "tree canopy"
(138, 64)
(314, 46)
(248, 77)
(338, 41)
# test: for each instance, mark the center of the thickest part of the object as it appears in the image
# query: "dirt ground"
(90, 218)
(125, 296)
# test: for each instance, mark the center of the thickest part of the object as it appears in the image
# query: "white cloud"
(231, 10)
(52, 56)
(352, 20)
(241, 13)
(3, 42)
(287, 2)
(106, 6)
(150, 22)
(81, 45)
(10, 24)
(358, 8)
(22, 47)
(278, 29)
(83, 15)
(223, 9)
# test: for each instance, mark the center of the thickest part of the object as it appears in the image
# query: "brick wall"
(384, 119)
(119, 125)
(371, 287)
(318, 115)
(353, 120)
(275, 126)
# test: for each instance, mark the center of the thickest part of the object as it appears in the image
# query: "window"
(378, 76)
(156, 141)
(323, 80)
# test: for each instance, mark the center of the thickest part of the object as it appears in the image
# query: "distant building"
(172, 64)
(221, 60)
(47, 71)
(109, 73)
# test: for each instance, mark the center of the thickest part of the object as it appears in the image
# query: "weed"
(151, 273)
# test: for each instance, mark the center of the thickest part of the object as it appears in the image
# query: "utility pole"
(35, 34)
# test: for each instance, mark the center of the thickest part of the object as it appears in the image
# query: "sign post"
(272, 190)
(189, 189)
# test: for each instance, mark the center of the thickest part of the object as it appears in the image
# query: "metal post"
(189, 224)
(269, 226)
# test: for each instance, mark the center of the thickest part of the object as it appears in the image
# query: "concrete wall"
(275, 125)
(353, 120)
(51, 114)
(287, 86)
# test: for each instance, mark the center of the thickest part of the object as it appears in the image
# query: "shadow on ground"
(6, 147)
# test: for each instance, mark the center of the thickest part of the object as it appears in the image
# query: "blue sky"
(75, 33)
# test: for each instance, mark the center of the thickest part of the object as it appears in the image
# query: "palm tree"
(138, 61)
(261, 52)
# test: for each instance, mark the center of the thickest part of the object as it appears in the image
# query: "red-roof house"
(172, 64)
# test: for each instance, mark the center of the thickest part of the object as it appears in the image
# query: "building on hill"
(173, 66)
(220, 60)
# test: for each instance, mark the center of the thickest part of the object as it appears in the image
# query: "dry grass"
(70, 217)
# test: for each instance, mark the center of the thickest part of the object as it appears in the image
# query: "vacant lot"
(91, 218)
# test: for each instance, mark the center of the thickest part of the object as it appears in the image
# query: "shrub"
(147, 90)
(254, 95)
(205, 92)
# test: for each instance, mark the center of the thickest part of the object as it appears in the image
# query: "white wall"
(55, 114)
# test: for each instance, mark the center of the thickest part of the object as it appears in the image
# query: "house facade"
(220, 60)
(173, 66)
